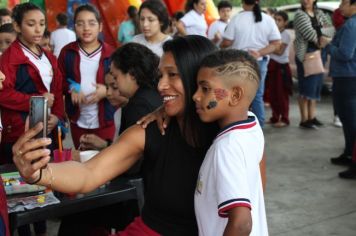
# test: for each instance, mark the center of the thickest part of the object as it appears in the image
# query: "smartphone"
(39, 113)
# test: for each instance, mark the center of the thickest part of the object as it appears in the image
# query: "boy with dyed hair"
(229, 196)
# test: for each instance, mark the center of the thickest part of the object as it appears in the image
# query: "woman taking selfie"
(180, 150)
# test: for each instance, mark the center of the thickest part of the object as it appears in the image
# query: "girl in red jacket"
(84, 64)
(29, 70)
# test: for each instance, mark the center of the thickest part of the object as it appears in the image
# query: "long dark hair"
(188, 52)
(159, 9)
(315, 6)
(21, 9)
(256, 9)
(90, 8)
(190, 5)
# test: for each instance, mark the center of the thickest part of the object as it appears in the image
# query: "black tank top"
(170, 171)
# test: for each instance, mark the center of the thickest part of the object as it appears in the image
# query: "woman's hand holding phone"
(29, 155)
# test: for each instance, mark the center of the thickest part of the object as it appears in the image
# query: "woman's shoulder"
(300, 13)
(138, 38)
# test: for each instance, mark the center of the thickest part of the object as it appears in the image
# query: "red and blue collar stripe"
(27, 49)
(244, 124)
(93, 54)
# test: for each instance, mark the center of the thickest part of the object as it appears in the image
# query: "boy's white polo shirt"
(230, 177)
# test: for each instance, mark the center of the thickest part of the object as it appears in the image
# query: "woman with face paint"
(171, 163)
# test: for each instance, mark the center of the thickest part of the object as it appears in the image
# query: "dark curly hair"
(139, 61)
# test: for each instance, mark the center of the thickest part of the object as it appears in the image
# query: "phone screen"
(39, 113)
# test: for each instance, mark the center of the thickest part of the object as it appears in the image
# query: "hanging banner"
(40, 3)
(71, 6)
(52, 10)
(113, 13)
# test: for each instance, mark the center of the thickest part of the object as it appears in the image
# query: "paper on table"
(27, 203)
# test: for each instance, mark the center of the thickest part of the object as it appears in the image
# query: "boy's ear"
(236, 96)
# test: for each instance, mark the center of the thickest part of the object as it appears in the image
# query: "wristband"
(36, 181)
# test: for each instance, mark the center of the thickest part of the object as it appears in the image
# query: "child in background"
(29, 71)
(84, 64)
(62, 35)
(279, 75)
(229, 196)
(92, 141)
(7, 36)
(133, 67)
(130, 27)
(217, 28)
(5, 16)
(45, 41)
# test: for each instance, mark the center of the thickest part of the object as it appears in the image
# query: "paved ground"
(304, 196)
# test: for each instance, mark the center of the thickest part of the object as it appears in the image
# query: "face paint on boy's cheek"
(212, 104)
(220, 93)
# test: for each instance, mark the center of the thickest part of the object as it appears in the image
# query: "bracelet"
(51, 178)
(36, 181)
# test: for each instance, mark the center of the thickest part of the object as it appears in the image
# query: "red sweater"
(23, 80)
(69, 59)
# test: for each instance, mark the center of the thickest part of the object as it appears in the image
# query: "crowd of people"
(203, 84)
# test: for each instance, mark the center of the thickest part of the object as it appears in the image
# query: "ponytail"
(257, 12)
(256, 9)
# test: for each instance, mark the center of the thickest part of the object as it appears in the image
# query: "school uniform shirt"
(89, 64)
(24, 79)
(194, 23)
(217, 26)
(284, 58)
(42, 64)
(246, 34)
(154, 47)
(230, 177)
(86, 69)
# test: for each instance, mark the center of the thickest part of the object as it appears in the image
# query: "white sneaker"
(337, 122)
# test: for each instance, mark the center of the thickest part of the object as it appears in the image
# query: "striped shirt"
(305, 33)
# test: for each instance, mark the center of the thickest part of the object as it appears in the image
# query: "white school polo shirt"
(217, 26)
(230, 177)
(42, 64)
(89, 65)
(194, 23)
(246, 34)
